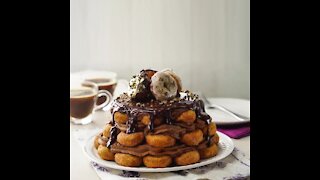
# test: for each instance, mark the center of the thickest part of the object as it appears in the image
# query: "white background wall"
(207, 42)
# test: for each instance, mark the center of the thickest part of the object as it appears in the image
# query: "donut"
(200, 124)
(209, 151)
(205, 130)
(160, 140)
(216, 138)
(193, 138)
(96, 142)
(106, 130)
(188, 116)
(187, 158)
(132, 139)
(212, 128)
(124, 127)
(120, 117)
(105, 153)
(157, 161)
(102, 140)
(146, 120)
(127, 160)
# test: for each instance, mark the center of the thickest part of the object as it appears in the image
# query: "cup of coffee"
(105, 80)
(83, 102)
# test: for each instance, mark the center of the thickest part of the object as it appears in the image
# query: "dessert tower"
(156, 124)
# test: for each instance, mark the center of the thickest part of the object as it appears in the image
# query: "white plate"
(225, 148)
(240, 106)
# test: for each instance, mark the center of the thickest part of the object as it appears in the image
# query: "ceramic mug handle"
(108, 96)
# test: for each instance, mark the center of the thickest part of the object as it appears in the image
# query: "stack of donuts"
(157, 130)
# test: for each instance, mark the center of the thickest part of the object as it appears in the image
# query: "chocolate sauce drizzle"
(132, 122)
(113, 136)
(155, 109)
(208, 139)
(168, 118)
(201, 114)
(151, 124)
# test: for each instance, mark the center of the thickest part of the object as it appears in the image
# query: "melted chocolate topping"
(151, 124)
(132, 122)
(145, 149)
(144, 93)
(169, 110)
(113, 136)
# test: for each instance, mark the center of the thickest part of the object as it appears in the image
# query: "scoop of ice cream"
(175, 76)
(140, 85)
(163, 86)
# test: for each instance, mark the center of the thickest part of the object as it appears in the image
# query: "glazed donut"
(127, 160)
(132, 139)
(193, 138)
(212, 128)
(120, 117)
(205, 130)
(188, 116)
(187, 158)
(102, 140)
(216, 138)
(200, 124)
(209, 152)
(124, 127)
(157, 161)
(160, 140)
(105, 153)
(96, 142)
(146, 120)
(106, 130)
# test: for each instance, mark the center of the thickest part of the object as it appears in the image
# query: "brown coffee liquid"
(81, 102)
(104, 84)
